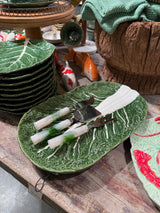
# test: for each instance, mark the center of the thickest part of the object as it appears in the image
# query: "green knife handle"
(50, 118)
(68, 136)
(49, 132)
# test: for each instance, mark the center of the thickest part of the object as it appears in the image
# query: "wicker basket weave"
(132, 55)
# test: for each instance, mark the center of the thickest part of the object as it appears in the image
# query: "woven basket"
(132, 55)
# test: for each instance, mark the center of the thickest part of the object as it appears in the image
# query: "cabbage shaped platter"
(83, 152)
(23, 54)
(145, 154)
(27, 74)
(29, 88)
(28, 100)
(24, 74)
(22, 104)
(33, 86)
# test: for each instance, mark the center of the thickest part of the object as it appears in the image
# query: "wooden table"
(111, 185)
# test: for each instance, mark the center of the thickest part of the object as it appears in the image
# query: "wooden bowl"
(132, 55)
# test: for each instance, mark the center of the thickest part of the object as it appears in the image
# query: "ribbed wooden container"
(132, 55)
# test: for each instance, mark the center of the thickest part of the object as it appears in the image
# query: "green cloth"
(111, 13)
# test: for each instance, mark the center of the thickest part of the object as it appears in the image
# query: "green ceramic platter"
(28, 85)
(25, 99)
(145, 154)
(28, 74)
(13, 90)
(23, 54)
(20, 94)
(22, 109)
(30, 81)
(83, 152)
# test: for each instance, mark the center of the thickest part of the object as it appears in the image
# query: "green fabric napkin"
(111, 13)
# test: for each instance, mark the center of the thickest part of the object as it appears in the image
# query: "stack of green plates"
(26, 74)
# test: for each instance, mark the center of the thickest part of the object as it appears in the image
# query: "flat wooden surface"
(111, 185)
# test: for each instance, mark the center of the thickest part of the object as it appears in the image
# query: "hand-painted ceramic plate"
(83, 152)
(21, 55)
(21, 109)
(27, 73)
(25, 99)
(145, 153)
(26, 82)
(19, 93)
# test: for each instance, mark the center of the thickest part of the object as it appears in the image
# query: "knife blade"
(81, 115)
(62, 112)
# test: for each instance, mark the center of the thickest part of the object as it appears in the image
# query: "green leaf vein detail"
(23, 54)
(82, 152)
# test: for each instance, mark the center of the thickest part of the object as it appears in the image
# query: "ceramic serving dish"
(145, 153)
(83, 152)
(23, 54)
(19, 109)
(27, 74)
